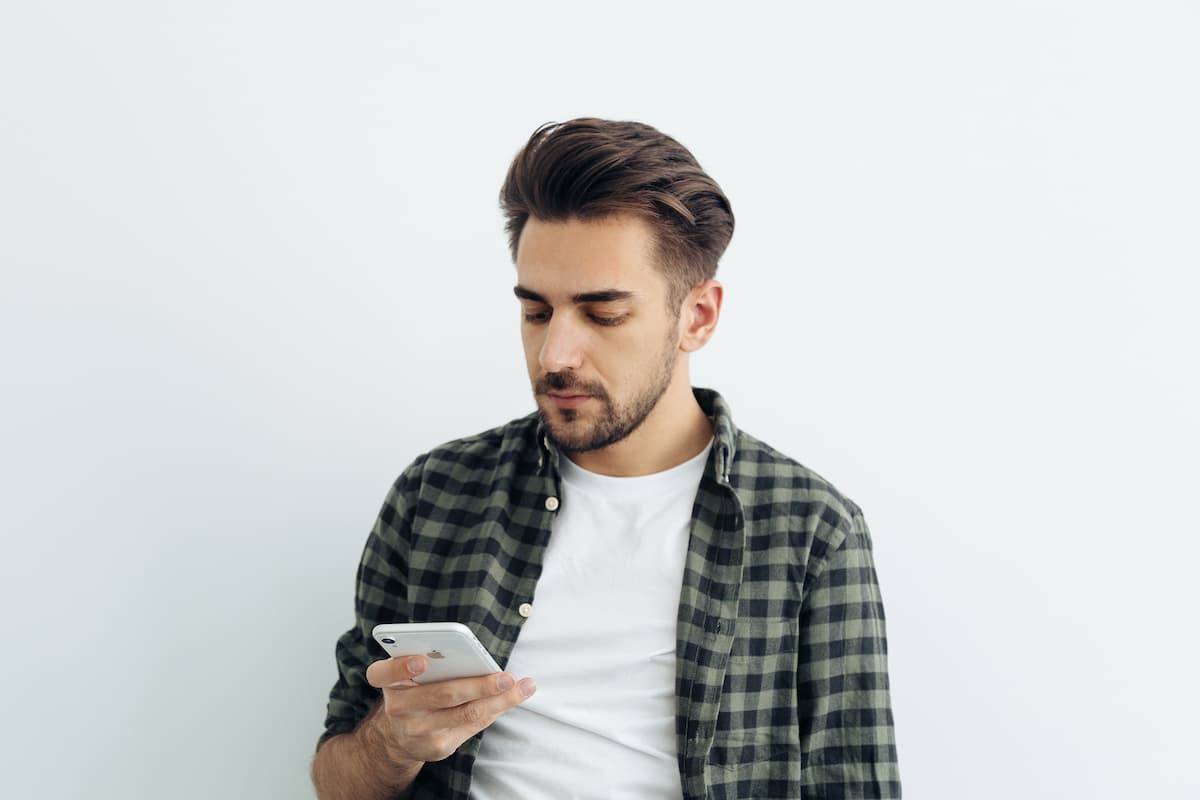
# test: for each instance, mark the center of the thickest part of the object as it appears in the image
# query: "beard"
(571, 431)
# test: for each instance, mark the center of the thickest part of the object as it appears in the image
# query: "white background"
(253, 264)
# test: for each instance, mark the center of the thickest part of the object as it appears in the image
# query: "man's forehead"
(622, 241)
(587, 257)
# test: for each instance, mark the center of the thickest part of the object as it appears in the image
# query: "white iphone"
(450, 648)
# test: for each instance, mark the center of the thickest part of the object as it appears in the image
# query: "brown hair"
(591, 168)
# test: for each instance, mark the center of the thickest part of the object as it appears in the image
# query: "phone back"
(451, 649)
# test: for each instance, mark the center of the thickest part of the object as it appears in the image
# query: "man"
(681, 611)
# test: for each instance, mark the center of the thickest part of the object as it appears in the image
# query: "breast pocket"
(740, 755)
(739, 769)
(757, 713)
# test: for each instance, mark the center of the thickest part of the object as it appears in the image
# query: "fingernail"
(415, 664)
(504, 683)
(528, 687)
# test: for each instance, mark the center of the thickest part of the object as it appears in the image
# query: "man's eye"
(537, 316)
(600, 319)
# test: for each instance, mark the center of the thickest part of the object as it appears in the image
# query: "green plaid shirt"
(781, 666)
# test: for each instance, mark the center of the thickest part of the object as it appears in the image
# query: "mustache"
(567, 381)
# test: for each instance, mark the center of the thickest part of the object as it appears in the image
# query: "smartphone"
(450, 648)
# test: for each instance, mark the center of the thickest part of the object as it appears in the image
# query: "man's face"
(601, 345)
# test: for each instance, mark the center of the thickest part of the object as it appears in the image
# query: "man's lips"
(568, 399)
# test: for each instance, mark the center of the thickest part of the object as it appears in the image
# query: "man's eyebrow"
(601, 296)
(524, 294)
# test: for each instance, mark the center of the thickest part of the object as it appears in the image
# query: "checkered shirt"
(781, 662)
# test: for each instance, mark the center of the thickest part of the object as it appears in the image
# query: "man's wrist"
(376, 737)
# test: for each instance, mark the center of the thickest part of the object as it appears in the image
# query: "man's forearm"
(356, 765)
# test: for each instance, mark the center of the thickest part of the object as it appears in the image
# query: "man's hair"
(590, 169)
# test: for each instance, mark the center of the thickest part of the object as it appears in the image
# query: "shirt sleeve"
(380, 596)
(848, 745)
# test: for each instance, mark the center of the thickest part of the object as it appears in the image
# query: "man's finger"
(464, 721)
(452, 693)
(391, 672)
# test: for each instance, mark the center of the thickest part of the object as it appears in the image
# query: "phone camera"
(388, 640)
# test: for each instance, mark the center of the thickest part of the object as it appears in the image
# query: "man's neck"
(675, 431)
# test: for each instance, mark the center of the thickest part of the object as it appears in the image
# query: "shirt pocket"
(758, 695)
(739, 755)
(753, 769)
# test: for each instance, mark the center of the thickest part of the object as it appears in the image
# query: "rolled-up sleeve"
(380, 596)
(848, 744)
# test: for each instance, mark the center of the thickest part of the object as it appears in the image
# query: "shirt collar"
(724, 431)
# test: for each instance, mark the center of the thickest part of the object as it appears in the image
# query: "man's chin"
(566, 429)
(563, 425)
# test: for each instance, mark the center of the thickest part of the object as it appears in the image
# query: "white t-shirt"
(600, 643)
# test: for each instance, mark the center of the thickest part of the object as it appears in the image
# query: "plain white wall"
(253, 265)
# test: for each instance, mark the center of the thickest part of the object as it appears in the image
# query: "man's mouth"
(567, 399)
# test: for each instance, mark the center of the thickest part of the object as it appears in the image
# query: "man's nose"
(563, 347)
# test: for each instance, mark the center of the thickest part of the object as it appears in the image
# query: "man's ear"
(699, 315)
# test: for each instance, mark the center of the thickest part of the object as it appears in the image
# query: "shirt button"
(525, 610)
(552, 504)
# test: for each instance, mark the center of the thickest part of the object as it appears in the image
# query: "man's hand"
(429, 722)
